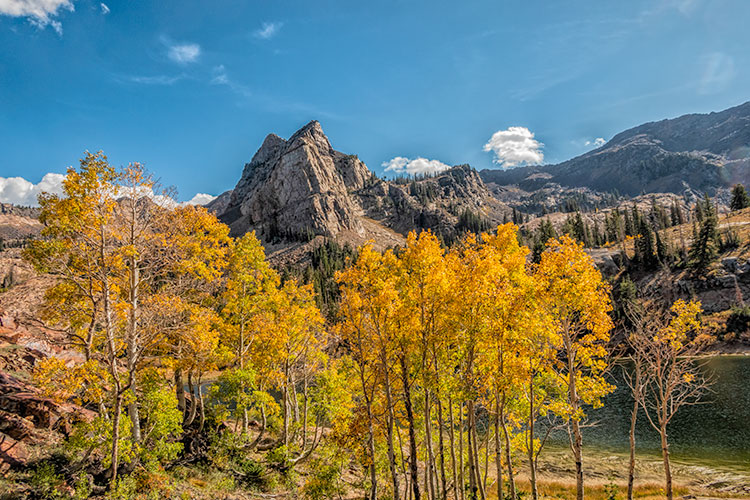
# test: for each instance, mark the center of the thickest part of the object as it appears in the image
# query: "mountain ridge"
(301, 188)
(692, 154)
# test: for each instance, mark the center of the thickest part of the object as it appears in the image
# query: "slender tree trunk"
(389, 430)
(498, 450)
(373, 475)
(193, 400)
(262, 431)
(115, 438)
(452, 437)
(530, 444)
(285, 405)
(430, 475)
(371, 450)
(509, 464)
(304, 409)
(665, 457)
(576, 438)
(473, 486)
(462, 479)
(413, 471)
(578, 455)
(631, 466)
(475, 444)
(441, 447)
(179, 385)
(132, 346)
(203, 406)
(116, 390)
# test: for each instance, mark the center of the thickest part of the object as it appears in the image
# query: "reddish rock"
(25, 401)
(12, 452)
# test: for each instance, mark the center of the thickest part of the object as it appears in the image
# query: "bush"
(611, 490)
(324, 481)
(46, 483)
(125, 489)
(739, 320)
(729, 240)
(253, 474)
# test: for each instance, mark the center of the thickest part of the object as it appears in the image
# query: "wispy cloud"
(515, 146)
(40, 13)
(268, 30)
(155, 80)
(684, 7)
(182, 52)
(401, 165)
(718, 73)
(596, 143)
(270, 102)
(220, 77)
(105, 8)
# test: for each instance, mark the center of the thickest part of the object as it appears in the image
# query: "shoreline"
(605, 466)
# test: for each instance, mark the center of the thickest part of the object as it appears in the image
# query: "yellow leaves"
(573, 287)
(83, 383)
(685, 320)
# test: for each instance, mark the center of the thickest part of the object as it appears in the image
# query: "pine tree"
(704, 249)
(740, 198)
(645, 247)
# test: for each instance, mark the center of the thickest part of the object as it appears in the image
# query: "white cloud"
(596, 143)
(515, 146)
(40, 13)
(268, 30)
(105, 8)
(183, 53)
(19, 191)
(401, 165)
(718, 72)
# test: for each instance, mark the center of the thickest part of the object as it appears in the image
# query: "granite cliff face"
(300, 188)
(297, 186)
(689, 155)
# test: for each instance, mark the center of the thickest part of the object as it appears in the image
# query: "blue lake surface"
(716, 432)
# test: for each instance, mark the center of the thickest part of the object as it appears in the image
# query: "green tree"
(740, 198)
(704, 249)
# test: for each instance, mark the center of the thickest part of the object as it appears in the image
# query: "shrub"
(739, 320)
(46, 483)
(253, 474)
(324, 481)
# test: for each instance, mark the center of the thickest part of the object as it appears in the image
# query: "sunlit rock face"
(297, 186)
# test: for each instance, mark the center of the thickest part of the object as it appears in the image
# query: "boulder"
(13, 453)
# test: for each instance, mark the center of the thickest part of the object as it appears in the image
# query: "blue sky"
(191, 88)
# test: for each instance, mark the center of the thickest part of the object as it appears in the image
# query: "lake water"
(715, 433)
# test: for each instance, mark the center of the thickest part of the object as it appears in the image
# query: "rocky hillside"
(18, 223)
(690, 155)
(301, 188)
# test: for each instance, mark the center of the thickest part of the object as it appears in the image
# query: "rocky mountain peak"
(297, 187)
(312, 133)
(271, 146)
